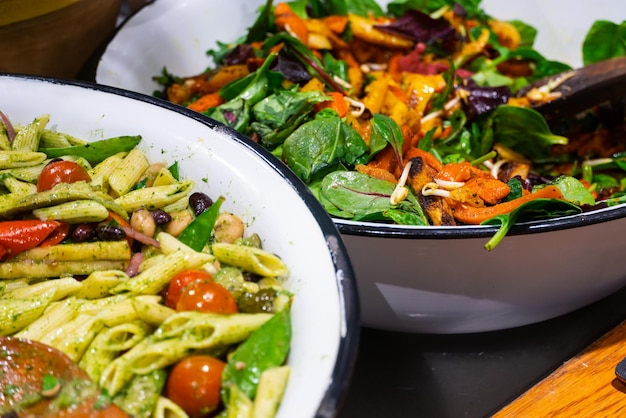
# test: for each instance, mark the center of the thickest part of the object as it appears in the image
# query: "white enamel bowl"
(271, 200)
(428, 280)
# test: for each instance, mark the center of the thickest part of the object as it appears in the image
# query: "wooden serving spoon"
(23, 366)
(582, 88)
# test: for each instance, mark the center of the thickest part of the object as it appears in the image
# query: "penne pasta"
(152, 280)
(98, 283)
(165, 408)
(151, 311)
(154, 197)
(63, 287)
(18, 187)
(55, 315)
(76, 211)
(249, 258)
(27, 138)
(16, 314)
(101, 172)
(128, 172)
(73, 337)
(87, 251)
(15, 158)
(270, 391)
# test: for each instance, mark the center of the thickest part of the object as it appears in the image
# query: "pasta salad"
(164, 299)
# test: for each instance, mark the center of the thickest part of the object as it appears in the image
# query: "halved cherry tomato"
(61, 172)
(194, 384)
(180, 281)
(203, 296)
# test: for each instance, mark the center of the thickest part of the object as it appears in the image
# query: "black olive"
(82, 233)
(199, 202)
(161, 217)
(110, 233)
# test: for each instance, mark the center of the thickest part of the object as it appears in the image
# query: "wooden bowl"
(55, 41)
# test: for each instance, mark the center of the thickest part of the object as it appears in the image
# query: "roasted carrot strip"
(428, 158)
(475, 216)
(336, 23)
(289, 21)
(206, 102)
(338, 103)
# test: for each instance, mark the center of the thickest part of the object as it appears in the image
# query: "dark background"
(469, 375)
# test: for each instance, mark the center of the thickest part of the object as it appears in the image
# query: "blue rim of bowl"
(346, 281)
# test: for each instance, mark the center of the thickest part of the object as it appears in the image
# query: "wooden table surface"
(584, 386)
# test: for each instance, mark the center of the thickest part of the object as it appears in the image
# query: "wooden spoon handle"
(586, 87)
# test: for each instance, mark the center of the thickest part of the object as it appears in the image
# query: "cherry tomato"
(194, 384)
(61, 172)
(204, 296)
(180, 281)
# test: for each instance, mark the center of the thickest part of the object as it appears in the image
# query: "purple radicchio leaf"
(481, 100)
(420, 27)
(292, 69)
(239, 55)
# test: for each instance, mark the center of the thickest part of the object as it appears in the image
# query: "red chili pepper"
(22, 235)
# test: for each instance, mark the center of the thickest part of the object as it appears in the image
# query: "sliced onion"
(143, 238)
(7, 123)
(133, 265)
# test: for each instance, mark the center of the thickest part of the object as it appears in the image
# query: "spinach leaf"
(532, 210)
(263, 25)
(255, 86)
(368, 198)
(524, 130)
(527, 32)
(278, 115)
(604, 40)
(321, 145)
(386, 131)
(95, 152)
(573, 190)
(321, 8)
(235, 114)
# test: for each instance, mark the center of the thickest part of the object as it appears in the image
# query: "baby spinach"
(279, 114)
(385, 131)
(235, 114)
(255, 86)
(532, 210)
(525, 131)
(368, 198)
(604, 40)
(321, 145)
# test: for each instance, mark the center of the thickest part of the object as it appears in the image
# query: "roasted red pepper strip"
(22, 235)
(57, 235)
